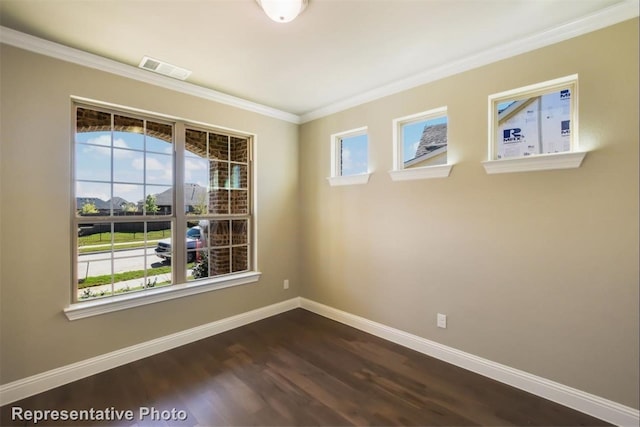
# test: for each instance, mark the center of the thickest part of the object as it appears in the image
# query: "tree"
(88, 208)
(201, 207)
(129, 207)
(150, 205)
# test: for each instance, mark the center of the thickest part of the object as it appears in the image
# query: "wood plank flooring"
(297, 369)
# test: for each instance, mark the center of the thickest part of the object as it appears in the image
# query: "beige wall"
(35, 275)
(536, 270)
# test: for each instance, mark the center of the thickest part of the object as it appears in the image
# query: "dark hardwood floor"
(298, 369)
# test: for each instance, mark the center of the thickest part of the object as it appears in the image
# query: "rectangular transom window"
(534, 120)
(350, 157)
(130, 204)
(351, 153)
(421, 139)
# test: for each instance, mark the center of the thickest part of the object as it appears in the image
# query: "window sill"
(535, 163)
(349, 179)
(425, 172)
(100, 306)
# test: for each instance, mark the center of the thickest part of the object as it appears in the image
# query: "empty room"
(319, 212)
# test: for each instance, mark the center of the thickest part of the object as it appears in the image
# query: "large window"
(140, 182)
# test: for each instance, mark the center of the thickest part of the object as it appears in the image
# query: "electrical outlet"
(442, 321)
(285, 285)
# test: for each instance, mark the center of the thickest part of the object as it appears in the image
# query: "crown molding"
(76, 56)
(627, 9)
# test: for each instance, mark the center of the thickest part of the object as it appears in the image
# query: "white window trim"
(425, 172)
(335, 179)
(535, 163)
(399, 173)
(550, 161)
(124, 301)
(98, 306)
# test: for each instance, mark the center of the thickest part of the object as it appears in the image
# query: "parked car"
(194, 235)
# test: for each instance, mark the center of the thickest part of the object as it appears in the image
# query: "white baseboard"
(584, 402)
(39, 383)
(587, 403)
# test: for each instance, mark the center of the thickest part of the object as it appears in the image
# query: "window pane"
(219, 261)
(93, 162)
(219, 234)
(128, 132)
(88, 120)
(159, 169)
(239, 202)
(240, 232)
(128, 166)
(353, 155)
(196, 240)
(238, 176)
(219, 201)
(196, 199)
(197, 173)
(159, 137)
(92, 198)
(197, 249)
(218, 146)
(158, 200)
(127, 199)
(219, 175)
(196, 143)
(119, 257)
(240, 257)
(239, 149)
(535, 125)
(425, 142)
(160, 233)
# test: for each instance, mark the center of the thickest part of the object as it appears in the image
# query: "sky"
(355, 155)
(132, 166)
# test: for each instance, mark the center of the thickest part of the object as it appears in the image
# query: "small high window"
(350, 157)
(420, 145)
(534, 121)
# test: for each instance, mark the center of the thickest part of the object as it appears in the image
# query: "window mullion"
(179, 256)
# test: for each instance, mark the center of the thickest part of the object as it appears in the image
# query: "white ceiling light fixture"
(283, 10)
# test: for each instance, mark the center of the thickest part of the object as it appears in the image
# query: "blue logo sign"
(565, 94)
(511, 135)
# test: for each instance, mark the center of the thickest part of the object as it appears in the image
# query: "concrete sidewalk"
(134, 283)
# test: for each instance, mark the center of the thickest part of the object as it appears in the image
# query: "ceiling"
(334, 51)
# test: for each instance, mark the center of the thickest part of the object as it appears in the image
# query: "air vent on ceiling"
(164, 68)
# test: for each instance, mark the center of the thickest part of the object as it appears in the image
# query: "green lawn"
(89, 293)
(119, 237)
(121, 277)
